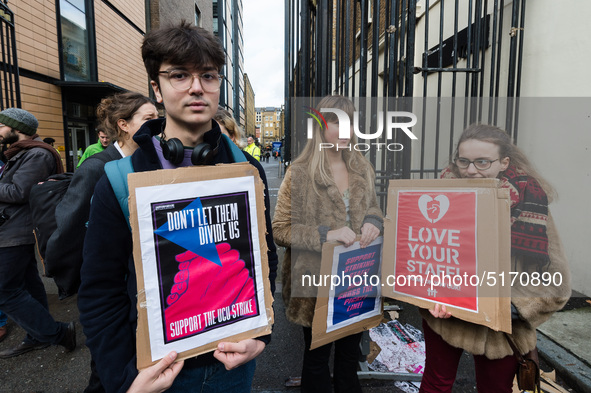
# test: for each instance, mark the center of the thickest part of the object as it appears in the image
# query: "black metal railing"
(457, 78)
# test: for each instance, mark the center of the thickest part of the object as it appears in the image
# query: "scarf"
(529, 214)
(27, 144)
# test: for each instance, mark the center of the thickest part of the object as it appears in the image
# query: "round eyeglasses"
(183, 80)
(480, 163)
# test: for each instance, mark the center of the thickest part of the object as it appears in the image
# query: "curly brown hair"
(118, 106)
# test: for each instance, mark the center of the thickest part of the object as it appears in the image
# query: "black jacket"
(107, 295)
(19, 175)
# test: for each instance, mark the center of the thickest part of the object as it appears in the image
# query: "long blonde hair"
(224, 118)
(315, 159)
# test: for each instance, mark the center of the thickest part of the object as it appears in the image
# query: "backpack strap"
(235, 152)
(117, 172)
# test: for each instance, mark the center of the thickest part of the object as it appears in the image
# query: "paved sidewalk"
(565, 343)
(53, 371)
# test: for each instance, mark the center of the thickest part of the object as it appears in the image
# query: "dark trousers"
(214, 378)
(94, 382)
(441, 366)
(23, 297)
(316, 373)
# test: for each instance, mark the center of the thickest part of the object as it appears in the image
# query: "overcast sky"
(264, 50)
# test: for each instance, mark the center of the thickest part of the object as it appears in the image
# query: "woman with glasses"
(485, 151)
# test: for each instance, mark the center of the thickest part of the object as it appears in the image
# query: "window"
(75, 47)
(197, 16)
(215, 18)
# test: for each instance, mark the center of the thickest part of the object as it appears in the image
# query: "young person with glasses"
(485, 151)
(183, 64)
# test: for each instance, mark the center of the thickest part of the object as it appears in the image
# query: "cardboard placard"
(201, 259)
(449, 242)
(354, 304)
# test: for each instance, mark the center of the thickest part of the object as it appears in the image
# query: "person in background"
(326, 195)
(120, 116)
(485, 151)
(229, 127)
(3, 317)
(22, 294)
(49, 141)
(100, 145)
(3, 158)
(252, 148)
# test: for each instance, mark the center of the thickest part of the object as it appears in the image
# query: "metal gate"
(458, 60)
(10, 95)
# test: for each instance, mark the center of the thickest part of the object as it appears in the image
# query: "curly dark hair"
(181, 44)
(118, 106)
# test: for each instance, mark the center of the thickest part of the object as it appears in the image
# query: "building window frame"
(90, 40)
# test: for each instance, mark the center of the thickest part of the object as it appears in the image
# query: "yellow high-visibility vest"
(254, 151)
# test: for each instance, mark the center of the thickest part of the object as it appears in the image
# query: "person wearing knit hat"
(22, 294)
(20, 120)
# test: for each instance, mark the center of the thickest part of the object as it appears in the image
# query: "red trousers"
(441, 366)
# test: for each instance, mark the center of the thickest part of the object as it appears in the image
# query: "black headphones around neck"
(174, 151)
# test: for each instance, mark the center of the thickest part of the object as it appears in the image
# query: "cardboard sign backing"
(448, 241)
(354, 305)
(201, 259)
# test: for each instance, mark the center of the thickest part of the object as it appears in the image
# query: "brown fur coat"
(535, 305)
(299, 215)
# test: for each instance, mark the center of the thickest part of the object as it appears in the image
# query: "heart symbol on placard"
(433, 209)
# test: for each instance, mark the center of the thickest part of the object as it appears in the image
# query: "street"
(52, 371)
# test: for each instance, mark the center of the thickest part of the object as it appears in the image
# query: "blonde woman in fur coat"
(487, 152)
(326, 195)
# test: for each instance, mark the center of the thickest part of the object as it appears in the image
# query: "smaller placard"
(350, 302)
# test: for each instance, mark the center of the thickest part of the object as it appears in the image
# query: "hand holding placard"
(233, 355)
(440, 311)
(344, 235)
(369, 233)
(159, 377)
